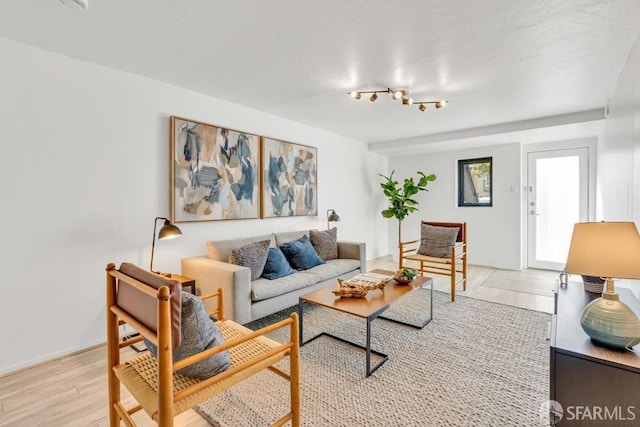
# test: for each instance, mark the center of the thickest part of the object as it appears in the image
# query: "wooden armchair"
(148, 305)
(451, 265)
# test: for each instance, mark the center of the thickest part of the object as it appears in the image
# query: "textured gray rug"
(476, 364)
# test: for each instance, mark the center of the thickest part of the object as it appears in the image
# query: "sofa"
(245, 299)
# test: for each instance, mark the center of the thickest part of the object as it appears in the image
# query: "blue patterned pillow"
(276, 266)
(300, 254)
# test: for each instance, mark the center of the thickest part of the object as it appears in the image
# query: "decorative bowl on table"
(405, 276)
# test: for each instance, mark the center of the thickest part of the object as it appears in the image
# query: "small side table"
(185, 282)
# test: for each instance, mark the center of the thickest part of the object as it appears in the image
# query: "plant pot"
(401, 280)
(593, 284)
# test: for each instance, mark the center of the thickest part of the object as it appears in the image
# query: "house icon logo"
(551, 412)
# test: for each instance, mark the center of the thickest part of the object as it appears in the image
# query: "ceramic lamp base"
(610, 322)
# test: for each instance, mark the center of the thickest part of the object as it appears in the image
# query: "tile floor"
(523, 288)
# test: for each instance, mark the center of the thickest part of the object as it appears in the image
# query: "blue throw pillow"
(276, 266)
(300, 254)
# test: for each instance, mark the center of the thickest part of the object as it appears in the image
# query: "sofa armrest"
(235, 281)
(354, 250)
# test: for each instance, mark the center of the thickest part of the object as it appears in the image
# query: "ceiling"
(496, 61)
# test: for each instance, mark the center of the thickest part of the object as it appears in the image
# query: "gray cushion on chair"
(437, 241)
(199, 333)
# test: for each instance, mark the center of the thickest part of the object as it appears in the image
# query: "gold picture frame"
(289, 179)
(214, 172)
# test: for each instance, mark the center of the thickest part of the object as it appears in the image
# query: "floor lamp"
(167, 231)
(332, 216)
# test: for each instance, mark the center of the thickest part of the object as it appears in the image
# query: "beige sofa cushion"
(334, 268)
(220, 249)
(289, 236)
(264, 289)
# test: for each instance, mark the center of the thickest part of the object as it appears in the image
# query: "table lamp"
(332, 216)
(167, 231)
(608, 250)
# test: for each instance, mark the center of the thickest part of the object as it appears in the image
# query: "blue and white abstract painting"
(290, 179)
(215, 172)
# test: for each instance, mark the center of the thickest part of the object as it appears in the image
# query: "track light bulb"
(397, 94)
(373, 97)
(441, 104)
(407, 101)
(355, 95)
(422, 107)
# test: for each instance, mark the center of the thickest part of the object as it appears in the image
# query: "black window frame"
(461, 181)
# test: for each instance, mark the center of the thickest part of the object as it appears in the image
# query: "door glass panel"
(558, 206)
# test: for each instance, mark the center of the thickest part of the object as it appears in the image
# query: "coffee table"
(370, 307)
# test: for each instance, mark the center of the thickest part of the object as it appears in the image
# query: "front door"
(557, 198)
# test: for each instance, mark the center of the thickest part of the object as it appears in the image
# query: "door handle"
(532, 212)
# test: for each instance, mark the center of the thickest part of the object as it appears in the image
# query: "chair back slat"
(142, 304)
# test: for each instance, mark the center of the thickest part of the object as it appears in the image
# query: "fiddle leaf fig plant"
(401, 201)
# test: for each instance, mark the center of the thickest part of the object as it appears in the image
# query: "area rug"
(476, 364)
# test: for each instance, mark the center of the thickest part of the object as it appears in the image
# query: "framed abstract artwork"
(289, 179)
(214, 172)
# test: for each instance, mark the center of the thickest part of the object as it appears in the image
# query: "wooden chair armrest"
(409, 242)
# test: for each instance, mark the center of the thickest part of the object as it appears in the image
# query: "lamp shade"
(332, 216)
(605, 249)
(168, 231)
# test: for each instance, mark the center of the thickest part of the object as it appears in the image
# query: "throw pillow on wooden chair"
(193, 359)
(442, 249)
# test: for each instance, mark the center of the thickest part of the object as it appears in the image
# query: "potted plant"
(593, 284)
(401, 202)
(405, 275)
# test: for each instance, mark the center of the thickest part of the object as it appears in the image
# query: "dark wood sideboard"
(596, 386)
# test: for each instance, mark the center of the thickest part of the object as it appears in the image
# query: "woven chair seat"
(139, 375)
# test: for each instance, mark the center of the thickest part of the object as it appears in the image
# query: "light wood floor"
(72, 391)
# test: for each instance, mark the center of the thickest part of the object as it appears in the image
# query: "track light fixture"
(439, 104)
(398, 94)
(395, 93)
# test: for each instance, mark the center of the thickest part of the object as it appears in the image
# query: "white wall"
(85, 171)
(619, 148)
(493, 232)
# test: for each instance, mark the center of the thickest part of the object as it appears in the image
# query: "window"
(475, 182)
